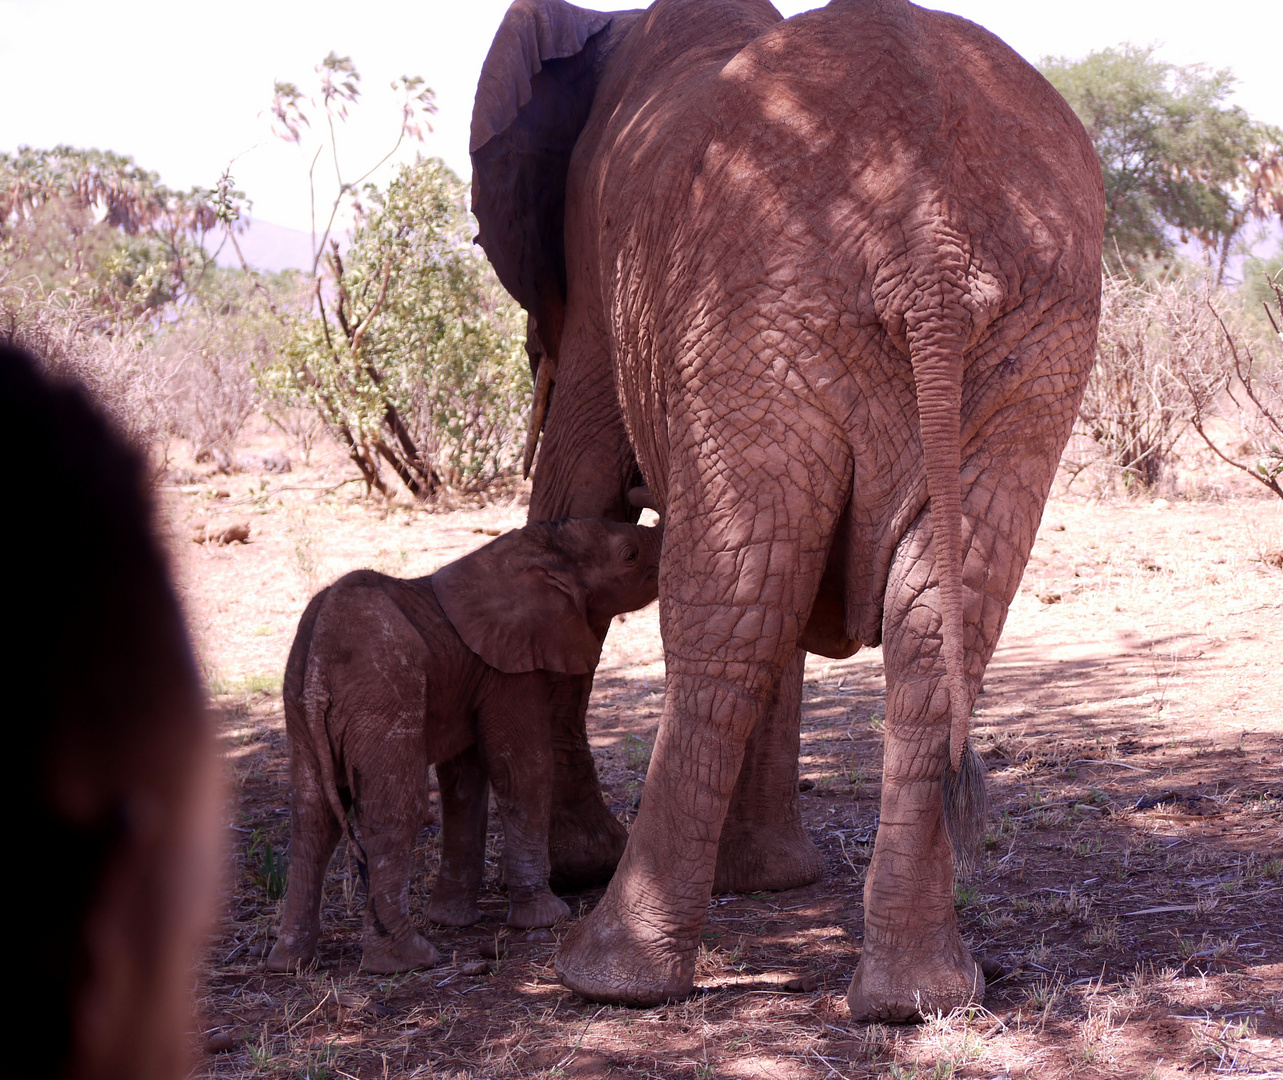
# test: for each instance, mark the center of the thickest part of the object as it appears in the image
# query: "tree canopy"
(1177, 158)
(95, 221)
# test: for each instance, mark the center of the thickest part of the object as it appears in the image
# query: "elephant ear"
(533, 99)
(517, 608)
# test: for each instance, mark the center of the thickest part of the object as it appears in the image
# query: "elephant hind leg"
(391, 804)
(763, 846)
(390, 941)
(638, 947)
(914, 960)
(464, 809)
(313, 835)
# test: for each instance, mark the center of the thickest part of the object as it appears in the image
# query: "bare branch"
(378, 304)
(325, 324)
(1244, 373)
(1269, 481)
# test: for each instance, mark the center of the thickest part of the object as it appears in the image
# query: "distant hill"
(271, 247)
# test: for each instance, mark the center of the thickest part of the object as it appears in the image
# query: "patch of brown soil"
(1131, 887)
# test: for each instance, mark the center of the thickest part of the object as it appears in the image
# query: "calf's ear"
(517, 609)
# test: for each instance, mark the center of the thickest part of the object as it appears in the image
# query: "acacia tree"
(105, 274)
(1252, 387)
(338, 88)
(1158, 349)
(1177, 158)
(95, 222)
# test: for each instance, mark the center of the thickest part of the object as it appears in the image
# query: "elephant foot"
(585, 844)
(290, 954)
(765, 858)
(611, 959)
(889, 985)
(453, 910)
(534, 905)
(386, 956)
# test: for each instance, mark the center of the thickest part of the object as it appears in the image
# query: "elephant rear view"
(840, 275)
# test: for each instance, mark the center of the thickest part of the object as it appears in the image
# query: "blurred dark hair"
(109, 750)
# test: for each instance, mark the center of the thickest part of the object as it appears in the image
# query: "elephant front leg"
(513, 723)
(585, 841)
(585, 465)
(763, 846)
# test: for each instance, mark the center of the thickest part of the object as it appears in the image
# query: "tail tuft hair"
(966, 807)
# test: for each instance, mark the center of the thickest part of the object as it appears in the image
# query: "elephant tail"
(937, 339)
(315, 701)
(966, 806)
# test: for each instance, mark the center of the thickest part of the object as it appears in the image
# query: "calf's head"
(541, 597)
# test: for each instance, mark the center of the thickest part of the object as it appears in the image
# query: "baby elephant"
(389, 676)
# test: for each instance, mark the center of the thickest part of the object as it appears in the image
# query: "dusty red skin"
(387, 677)
(836, 279)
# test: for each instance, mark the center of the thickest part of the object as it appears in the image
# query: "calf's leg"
(464, 811)
(514, 730)
(313, 834)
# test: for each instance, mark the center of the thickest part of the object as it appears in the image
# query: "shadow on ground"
(1130, 891)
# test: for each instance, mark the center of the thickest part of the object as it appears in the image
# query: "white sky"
(183, 87)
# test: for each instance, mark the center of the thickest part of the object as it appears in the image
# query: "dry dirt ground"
(1131, 887)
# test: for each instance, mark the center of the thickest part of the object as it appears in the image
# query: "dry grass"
(1131, 885)
(117, 362)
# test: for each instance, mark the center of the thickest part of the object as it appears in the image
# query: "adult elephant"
(834, 281)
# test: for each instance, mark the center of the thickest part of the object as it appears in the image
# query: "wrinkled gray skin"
(831, 283)
(387, 677)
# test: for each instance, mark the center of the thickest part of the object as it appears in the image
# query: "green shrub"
(413, 354)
